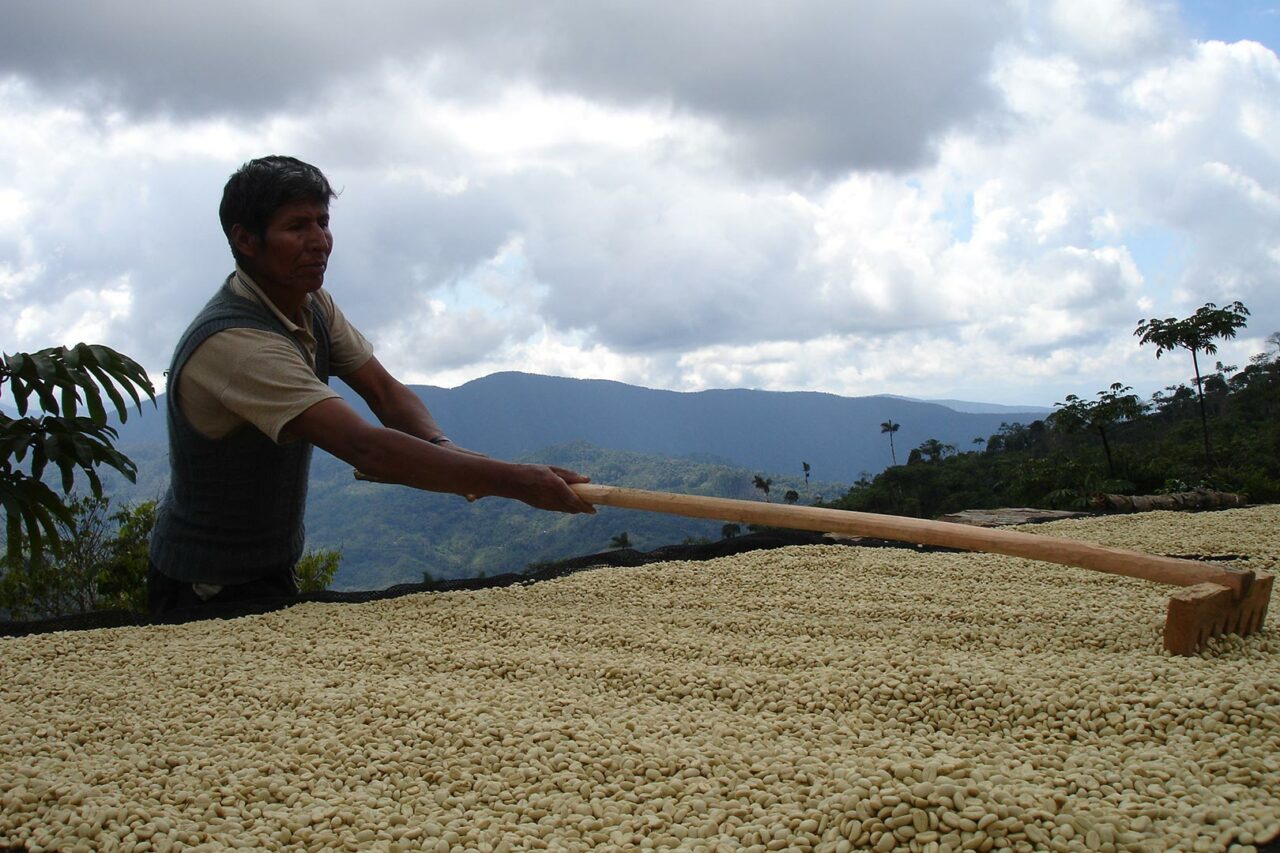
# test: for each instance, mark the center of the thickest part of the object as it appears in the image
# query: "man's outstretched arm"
(393, 402)
(398, 457)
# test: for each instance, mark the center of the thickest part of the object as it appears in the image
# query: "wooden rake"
(1216, 600)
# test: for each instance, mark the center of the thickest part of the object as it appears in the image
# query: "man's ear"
(245, 241)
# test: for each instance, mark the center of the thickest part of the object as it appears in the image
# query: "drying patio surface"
(810, 697)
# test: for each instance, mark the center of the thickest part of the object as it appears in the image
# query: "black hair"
(260, 187)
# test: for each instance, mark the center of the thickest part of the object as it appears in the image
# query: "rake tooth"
(1231, 624)
(1255, 604)
(1256, 615)
(1249, 623)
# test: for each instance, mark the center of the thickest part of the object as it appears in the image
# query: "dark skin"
(288, 264)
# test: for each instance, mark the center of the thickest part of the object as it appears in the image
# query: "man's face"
(292, 259)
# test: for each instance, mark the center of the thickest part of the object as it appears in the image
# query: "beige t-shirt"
(240, 376)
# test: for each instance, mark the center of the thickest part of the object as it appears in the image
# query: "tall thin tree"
(1195, 333)
(890, 427)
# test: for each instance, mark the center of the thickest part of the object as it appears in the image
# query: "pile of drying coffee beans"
(819, 698)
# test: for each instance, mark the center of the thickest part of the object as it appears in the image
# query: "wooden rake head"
(1197, 613)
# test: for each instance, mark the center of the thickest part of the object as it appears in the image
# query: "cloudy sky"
(934, 198)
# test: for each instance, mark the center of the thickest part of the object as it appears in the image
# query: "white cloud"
(1111, 30)
(83, 315)
(813, 87)
(923, 198)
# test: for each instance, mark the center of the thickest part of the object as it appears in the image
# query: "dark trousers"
(170, 599)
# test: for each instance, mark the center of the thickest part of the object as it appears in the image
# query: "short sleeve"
(248, 375)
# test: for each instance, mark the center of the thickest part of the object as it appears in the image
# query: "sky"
(928, 198)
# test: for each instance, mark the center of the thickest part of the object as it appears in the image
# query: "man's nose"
(318, 238)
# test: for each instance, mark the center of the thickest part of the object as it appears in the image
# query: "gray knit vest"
(234, 508)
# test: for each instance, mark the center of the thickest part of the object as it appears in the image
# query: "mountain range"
(512, 414)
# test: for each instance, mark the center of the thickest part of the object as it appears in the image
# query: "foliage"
(122, 581)
(101, 564)
(1113, 406)
(622, 540)
(1196, 334)
(931, 450)
(763, 484)
(1058, 463)
(62, 380)
(317, 568)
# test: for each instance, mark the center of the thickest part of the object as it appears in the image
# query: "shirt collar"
(249, 288)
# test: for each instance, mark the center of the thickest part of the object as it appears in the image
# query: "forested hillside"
(1113, 444)
(392, 534)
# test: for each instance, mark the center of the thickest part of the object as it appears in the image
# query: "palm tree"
(890, 427)
(622, 540)
(1195, 333)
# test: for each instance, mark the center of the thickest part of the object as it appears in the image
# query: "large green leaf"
(104, 379)
(33, 511)
(61, 379)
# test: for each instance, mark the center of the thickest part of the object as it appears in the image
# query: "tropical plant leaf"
(65, 381)
(15, 435)
(13, 533)
(21, 392)
(92, 398)
(104, 379)
(69, 400)
(124, 368)
(39, 373)
(33, 511)
(44, 367)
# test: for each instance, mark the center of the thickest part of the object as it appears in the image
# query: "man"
(249, 396)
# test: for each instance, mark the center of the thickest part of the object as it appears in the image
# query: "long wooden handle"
(1011, 543)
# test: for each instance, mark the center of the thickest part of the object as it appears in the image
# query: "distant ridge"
(513, 414)
(970, 407)
(991, 408)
